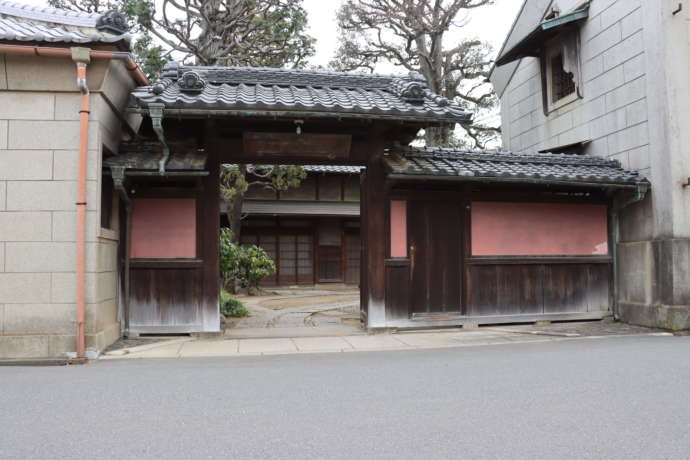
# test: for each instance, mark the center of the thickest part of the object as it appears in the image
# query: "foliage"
(235, 180)
(268, 33)
(413, 34)
(247, 265)
(229, 257)
(230, 306)
(254, 265)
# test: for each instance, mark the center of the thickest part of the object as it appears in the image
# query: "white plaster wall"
(39, 138)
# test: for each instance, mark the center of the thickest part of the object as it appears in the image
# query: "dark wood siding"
(532, 289)
(165, 295)
(420, 290)
(397, 289)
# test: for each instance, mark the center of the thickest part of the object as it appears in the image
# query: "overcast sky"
(490, 23)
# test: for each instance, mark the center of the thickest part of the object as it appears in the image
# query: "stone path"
(301, 309)
(189, 348)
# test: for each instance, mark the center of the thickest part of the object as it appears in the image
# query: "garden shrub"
(230, 306)
(246, 265)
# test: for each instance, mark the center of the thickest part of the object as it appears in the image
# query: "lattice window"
(562, 82)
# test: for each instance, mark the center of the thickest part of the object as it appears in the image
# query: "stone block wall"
(635, 109)
(39, 139)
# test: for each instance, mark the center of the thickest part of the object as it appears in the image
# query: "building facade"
(610, 78)
(40, 135)
(311, 231)
(110, 192)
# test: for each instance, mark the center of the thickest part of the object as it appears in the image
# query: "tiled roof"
(333, 169)
(334, 94)
(510, 166)
(25, 23)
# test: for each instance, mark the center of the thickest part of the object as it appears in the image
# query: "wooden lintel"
(290, 145)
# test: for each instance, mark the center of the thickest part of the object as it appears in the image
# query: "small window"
(561, 71)
(562, 83)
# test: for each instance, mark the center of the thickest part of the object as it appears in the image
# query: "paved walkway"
(189, 348)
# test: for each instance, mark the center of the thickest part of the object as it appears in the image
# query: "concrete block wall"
(635, 57)
(39, 139)
(612, 113)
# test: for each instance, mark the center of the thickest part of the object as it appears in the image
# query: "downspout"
(640, 193)
(81, 57)
(156, 114)
(118, 173)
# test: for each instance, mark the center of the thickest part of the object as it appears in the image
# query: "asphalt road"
(618, 398)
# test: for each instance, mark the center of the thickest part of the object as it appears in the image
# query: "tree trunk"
(235, 218)
(437, 137)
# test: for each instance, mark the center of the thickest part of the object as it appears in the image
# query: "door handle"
(412, 253)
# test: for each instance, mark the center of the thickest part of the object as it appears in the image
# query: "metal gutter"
(275, 114)
(156, 114)
(43, 51)
(535, 40)
(511, 180)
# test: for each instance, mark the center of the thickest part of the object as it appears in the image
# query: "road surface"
(613, 398)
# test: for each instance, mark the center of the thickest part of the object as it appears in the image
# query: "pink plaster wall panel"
(398, 228)
(163, 228)
(544, 229)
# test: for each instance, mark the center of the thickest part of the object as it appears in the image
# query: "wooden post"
(211, 233)
(374, 230)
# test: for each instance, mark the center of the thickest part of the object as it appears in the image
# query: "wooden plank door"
(435, 247)
(353, 251)
(330, 251)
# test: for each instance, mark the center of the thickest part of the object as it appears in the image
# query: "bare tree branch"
(412, 34)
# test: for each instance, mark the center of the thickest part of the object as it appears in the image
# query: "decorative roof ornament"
(113, 22)
(413, 92)
(171, 69)
(191, 82)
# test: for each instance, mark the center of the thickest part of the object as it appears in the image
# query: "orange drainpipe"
(82, 57)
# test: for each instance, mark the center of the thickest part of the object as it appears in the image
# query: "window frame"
(551, 50)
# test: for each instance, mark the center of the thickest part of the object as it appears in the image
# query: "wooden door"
(435, 247)
(166, 264)
(330, 251)
(353, 251)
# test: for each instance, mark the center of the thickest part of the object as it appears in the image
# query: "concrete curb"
(537, 338)
(149, 346)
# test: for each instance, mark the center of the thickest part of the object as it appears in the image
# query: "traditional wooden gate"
(435, 248)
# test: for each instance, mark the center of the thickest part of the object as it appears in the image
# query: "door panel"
(330, 257)
(435, 239)
(353, 254)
